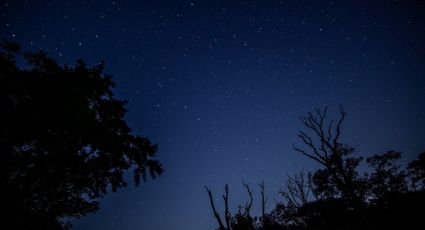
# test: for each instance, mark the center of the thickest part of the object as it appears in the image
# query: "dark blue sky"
(219, 86)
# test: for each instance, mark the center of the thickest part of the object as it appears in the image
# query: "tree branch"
(263, 200)
(248, 204)
(226, 206)
(217, 216)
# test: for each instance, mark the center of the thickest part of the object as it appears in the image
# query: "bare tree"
(242, 219)
(339, 176)
(216, 214)
(263, 200)
(298, 190)
(248, 204)
(325, 147)
(227, 214)
(329, 138)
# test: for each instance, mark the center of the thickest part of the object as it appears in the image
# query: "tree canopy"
(337, 196)
(64, 140)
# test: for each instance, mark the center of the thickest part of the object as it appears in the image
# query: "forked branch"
(217, 216)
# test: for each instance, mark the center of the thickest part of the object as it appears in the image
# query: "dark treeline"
(337, 196)
(64, 142)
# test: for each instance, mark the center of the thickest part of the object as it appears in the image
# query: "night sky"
(219, 86)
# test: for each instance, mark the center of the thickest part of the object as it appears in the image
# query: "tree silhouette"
(242, 220)
(338, 182)
(336, 196)
(64, 142)
(227, 214)
(387, 177)
(339, 176)
(416, 170)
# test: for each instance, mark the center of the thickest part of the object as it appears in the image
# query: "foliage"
(336, 196)
(64, 141)
(387, 177)
(416, 171)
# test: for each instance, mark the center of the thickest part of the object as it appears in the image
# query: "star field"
(219, 86)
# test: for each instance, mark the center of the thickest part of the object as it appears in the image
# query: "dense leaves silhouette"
(64, 142)
(337, 196)
(416, 171)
